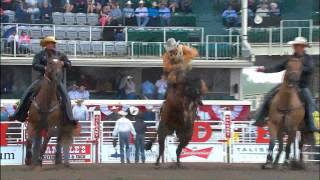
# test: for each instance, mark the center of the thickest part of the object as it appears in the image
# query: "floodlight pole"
(246, 48)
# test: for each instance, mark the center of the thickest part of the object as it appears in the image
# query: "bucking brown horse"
(286, 115)
(46, 118)
(178, 113)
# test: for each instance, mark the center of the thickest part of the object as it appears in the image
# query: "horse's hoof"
(28, 162)
(267, 166)
(295, 165)
(37, 168)
(157, 165)
(67, 165)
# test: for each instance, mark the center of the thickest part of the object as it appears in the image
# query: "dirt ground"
(191, 171)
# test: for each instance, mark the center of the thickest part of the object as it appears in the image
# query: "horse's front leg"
(184, 139)
(280, 140)
(36, 148)
(58, 158)
(44, 147)
(273, 138)
(291, 138)
(28, 159)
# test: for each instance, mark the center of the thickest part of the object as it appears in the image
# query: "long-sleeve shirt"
(140, 126)
(128, 12)
(229, 13)
(141, 12)
(123, 125)
(306, 71)
(80, 113)
(40, 60)
(165, 12)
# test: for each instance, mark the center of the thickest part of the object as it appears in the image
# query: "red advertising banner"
(3, 134)
(228, 125)
(79, 153)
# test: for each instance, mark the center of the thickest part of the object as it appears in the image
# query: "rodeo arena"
(160, 90)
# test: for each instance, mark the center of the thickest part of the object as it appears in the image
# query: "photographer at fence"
(123, 128)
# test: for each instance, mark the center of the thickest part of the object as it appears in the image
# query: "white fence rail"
(222, 134)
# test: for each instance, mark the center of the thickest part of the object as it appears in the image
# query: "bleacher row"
(92, 19)
(94, 33)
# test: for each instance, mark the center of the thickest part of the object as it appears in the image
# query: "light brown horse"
(178, 112)
(46, 118)
(286, 114)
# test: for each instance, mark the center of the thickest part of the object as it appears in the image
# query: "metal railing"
(103, 49)
(288, 30)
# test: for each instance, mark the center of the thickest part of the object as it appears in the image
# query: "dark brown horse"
(286, 114)
(46, 118)
(178, 113)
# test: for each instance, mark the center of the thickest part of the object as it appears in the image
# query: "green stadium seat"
(183, 20)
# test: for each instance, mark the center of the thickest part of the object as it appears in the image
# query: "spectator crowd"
(257, 9)
(131, 13)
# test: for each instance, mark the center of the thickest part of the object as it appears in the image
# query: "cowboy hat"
(130, 77)
(134, 110)
(275, 5)
(46, 40)
(114, 108)
(154, 4)
(129, 2)
(299, 41)
(122, 113)
(149, 107)
(258, 19)
(141, 2)
(79, 100)
(171, 44)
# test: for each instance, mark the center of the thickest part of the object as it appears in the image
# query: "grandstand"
(100, 52)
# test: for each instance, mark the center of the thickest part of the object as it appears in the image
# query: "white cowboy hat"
(258, 19)
(114, 108)
(129, 2)
(275, 5)
(130, 77)
(154, 3)
(122, 113)
(171, 44)
(141, 2)
(149, 107)
(134, 110)
(300, 41)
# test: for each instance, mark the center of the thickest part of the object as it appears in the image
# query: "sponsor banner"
(252, 153)
(11, 155)
(79, 153)
(208, 152)
(109, 154)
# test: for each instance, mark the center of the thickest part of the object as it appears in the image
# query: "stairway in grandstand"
(209, 16)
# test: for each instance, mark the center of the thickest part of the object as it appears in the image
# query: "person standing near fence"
(123, 128)
(140, 127)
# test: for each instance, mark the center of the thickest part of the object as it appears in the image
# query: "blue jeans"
(161, 96)
(124, 138)
(142, 21)
(139, 145)
(131, 96)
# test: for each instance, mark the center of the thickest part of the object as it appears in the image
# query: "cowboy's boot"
(310, 108)
(66, 103)
(21, 112)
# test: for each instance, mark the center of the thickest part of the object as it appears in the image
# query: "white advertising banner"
(79, 153)
(109, 154)
(252, 153)
(11, 155)
(198, 152)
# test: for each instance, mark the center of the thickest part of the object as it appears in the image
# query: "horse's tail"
(149, 144)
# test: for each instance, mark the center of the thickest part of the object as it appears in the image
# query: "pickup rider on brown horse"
(39, 64)
(299, 44)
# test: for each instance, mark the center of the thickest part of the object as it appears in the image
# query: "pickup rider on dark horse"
(299, 44)
(39, 64)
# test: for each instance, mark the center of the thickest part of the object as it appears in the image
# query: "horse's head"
(54, 69)
(293, 73)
